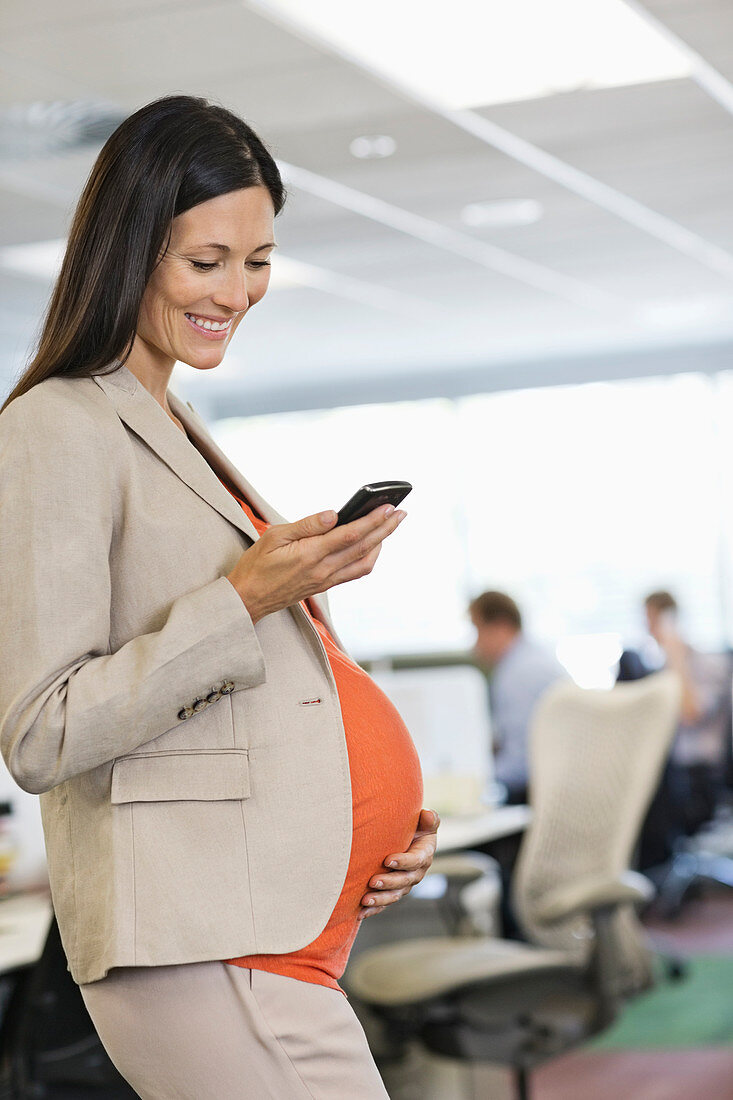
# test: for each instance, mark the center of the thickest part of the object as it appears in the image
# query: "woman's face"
(215, 269)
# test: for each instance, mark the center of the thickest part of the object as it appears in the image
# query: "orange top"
(386, 796)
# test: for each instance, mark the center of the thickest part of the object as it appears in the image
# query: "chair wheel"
(677, 970)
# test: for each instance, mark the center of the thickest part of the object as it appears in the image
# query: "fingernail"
(370, 901)
(378, 883)
(327, 517)
(392, 863)
(388, 510)
(401, 516)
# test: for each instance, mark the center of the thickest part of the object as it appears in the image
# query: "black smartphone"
(370, 497)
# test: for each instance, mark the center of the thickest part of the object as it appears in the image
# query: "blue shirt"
(517, 682)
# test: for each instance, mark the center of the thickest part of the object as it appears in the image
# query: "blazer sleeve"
(68, 704)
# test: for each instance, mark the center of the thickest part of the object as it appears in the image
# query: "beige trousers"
(212, 1031)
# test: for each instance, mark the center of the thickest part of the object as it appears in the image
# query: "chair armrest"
(463, 867)
(593, 893)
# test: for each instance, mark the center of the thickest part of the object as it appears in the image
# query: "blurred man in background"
(694, 778)
(520, 672)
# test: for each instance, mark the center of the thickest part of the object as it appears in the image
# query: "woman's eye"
(201, 265)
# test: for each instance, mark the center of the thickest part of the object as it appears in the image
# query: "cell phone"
(371, 496)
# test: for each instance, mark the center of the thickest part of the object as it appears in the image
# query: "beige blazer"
(192, 767)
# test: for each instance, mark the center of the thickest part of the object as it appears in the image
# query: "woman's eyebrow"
(226, 248)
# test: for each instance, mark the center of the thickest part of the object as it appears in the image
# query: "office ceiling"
(628, 271)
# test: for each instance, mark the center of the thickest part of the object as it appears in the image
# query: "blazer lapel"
(200, 465)
(137, 407)
(215, 457)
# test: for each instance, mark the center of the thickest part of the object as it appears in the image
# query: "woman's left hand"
(404, 869)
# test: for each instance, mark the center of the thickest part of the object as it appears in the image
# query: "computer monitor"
(446, 710)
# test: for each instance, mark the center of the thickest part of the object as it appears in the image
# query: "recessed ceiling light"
(373, 147)
(469, 54)
(498, 215)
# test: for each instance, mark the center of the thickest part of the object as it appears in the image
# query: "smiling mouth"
(209, 326)
(214, 330)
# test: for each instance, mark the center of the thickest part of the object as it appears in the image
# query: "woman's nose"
(233, 292)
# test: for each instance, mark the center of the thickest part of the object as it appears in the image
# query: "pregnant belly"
(386, 791)
(386, 780)
(386, 784)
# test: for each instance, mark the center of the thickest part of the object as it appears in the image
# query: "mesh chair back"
(595, 761)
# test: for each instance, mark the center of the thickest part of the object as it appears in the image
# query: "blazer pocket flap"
(181, 776)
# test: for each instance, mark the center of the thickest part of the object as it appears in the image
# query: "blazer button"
(227, 688)
(199, 704)
(213, 696)
(185, 712)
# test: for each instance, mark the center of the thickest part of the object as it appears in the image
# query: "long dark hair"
(165, 158)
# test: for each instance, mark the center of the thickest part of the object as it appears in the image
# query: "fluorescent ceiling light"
(471, 53)
(40, 260)
(299, 273)
(285, 273)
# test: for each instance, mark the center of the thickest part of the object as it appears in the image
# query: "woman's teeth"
(214, 326)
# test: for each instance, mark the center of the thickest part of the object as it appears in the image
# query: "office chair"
(469, 900)
(595, 758)
(707, 856)
(459, 896)
(48, 1045)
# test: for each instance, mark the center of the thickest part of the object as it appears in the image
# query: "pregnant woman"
(224, 793)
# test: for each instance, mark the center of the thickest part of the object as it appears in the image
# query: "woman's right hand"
(292, 561)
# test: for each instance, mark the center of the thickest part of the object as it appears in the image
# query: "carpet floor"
(696, 1011)
(675, 1042)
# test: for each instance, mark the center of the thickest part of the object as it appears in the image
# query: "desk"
(25, 918)
(24, 923)
(458, 831)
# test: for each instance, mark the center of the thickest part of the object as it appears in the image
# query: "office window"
(575, 499)
(580, 499)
